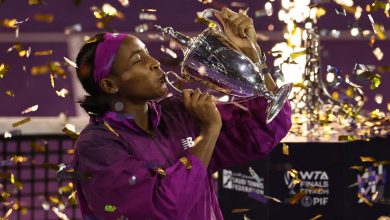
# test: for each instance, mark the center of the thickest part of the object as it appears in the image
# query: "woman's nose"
(155, 64)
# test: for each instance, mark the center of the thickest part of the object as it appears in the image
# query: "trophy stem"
(277, 101)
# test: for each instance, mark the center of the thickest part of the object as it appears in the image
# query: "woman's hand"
(202, 107)
(237, 26)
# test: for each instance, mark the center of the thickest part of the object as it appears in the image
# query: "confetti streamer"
(48, 18)
(294, 199)
(367, 159)
(36, 2)
(43, 53)
(62, 93)
(285, 149)
(70, 133)
(21, 122)
(4, 68)
(297, 54)
(39, 70)
(186, 163)
(240, 210)
(364, 199)
(316, 217)
(160, 171)
(30, 109)
(110, 128)
(71, 63)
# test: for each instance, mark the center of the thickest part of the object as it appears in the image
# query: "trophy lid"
(183, 40)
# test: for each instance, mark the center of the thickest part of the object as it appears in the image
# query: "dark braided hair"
(95, 103)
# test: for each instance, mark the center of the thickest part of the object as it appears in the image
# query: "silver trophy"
(213, 60)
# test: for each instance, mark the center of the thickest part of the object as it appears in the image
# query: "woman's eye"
(137, 59)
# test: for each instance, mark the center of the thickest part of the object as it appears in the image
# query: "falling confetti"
(285, 149)
(43, 53)
(109, 208)
(186, 163)
(367, 159)
(30, 109)
(71, 63)
(4, 68)
(48, 18)
(62, 93)
(21, 122)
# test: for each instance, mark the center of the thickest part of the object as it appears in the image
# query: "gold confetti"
(294, 199)
(285, 149)
(109, 208)
(21, 122)
(4, 196)
(55, 68)
(70, 133)
(21, 51)
(65, 189)
(52, 80)
(62, 93)
(43, 53)
(19, 159)
(316, 217)
(36, 2)
(37, 147)
(70, 151)
(4, 68)
(10, 177)
(30, 109)
(9, 23)
(10, 93)
(39, 70)
(160, 171)
(367, 159)
(110, 128)
(240, 210)
(360, 196)
(360, 168)
(48, 18)
(186, 163)
(72, 198)
(372, 41)
(297, 54)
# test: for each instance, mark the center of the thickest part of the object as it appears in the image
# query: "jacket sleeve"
(244, 134)
(123, 185)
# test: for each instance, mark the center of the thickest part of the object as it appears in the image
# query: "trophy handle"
(211, 10)
(178, 78)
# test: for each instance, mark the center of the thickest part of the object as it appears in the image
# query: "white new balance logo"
(187, 143)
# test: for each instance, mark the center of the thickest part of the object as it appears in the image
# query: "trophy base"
(276, 105)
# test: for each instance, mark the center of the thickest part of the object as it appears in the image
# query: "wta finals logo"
(371, 185)
(312, 185)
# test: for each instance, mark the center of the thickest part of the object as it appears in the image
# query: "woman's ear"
(109, 86)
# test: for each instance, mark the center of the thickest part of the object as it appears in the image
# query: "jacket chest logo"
(187, 143)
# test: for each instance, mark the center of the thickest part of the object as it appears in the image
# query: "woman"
(153, 160)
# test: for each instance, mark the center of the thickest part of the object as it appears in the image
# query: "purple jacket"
(123, 181)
